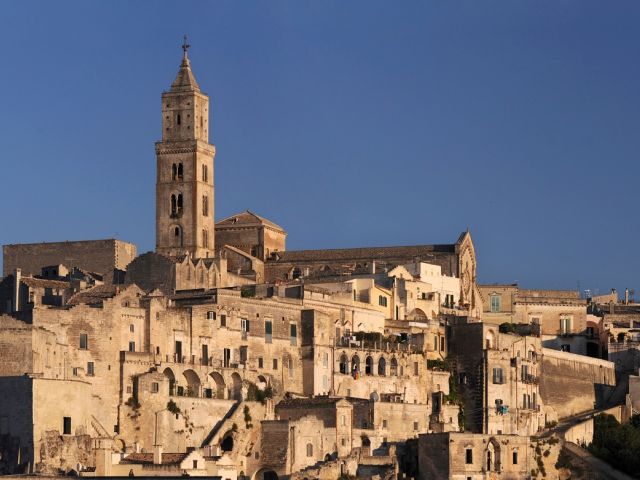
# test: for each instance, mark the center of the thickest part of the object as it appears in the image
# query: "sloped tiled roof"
(95, 295)
(247, 218)
(366, 253)
(147, 458)
(43, 283)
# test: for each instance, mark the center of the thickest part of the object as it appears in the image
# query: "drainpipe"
(17, 277)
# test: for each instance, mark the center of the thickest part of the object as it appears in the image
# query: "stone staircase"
(213, 435)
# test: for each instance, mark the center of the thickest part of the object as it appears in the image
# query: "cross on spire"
(185, 47)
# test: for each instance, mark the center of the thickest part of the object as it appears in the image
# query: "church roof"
(247, 219)
(185, 80)
(367, 253)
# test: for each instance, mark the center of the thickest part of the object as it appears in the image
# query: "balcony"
(530, 379)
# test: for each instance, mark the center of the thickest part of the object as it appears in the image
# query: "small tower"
(184, 182)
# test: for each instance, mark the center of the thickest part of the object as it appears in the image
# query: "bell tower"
(184, 181)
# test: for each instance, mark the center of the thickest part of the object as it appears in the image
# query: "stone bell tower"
(184, 182)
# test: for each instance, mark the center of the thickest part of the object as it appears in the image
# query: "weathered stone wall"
(101, 256)
(571, 384)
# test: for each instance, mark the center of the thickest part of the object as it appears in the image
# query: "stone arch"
(226, 445)
(236, 386)
(417, 314)
(265, 474)
(355, 364)
(492, 456)
(393, 368)
(344, 364)
(368, 365)
(262, 383)
(218, 381)
(171, 378)
(193, 383)
(382, 367)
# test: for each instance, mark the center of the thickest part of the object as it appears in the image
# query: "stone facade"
(100, 256)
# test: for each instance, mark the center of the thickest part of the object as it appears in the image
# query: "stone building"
(464, 456)
(497, 375)
(560, 314)
(100, 256)
(251, 233)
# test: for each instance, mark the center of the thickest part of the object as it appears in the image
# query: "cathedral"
(224, 354)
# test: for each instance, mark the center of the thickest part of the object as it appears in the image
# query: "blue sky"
(349, 123)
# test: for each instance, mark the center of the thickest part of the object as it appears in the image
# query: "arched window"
(205, 173)
(180, 171)
(344, 364)
(174, 171)
(382, 367)
(393, 370)
(174, 205)
(179, 210)
(309, 450)
(205, 205)
(355, 365)
(205, 237)
(368, 366)
(176, 232)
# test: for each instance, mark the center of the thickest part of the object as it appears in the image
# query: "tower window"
(205, 173)
(205, 205)
(174, 171)
(176, 231)
(180, 171)
(205, 237)
(178, 119)
(176, 205)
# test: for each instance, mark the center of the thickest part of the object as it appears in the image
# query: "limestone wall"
(571, 384)
(100, 256)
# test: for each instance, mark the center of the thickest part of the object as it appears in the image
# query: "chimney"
(626, 296)
(157, 454)
(373, 267)
(17, 277)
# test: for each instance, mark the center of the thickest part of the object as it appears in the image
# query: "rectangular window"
(223, 320)
(497, 376)
(211, 315)
(84, 341)
(275, 363)
(155, 387)
(382, 301)
(565, 325)
(66, 426)
(435, 343)
(469, 456)
(268, 331)
(244, 325)
(442, 344)
(495, 303)
(74, 370)
(132, 328)
(415, 369)
(515, 457)
(226, 357)
(178, 352)
(260, 362)
(384, 424)
(205, 354)
(90, 368)
(132, 346)
(415, 426)
(293, 329)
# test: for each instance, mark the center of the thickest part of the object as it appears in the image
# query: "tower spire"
(185, 80)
